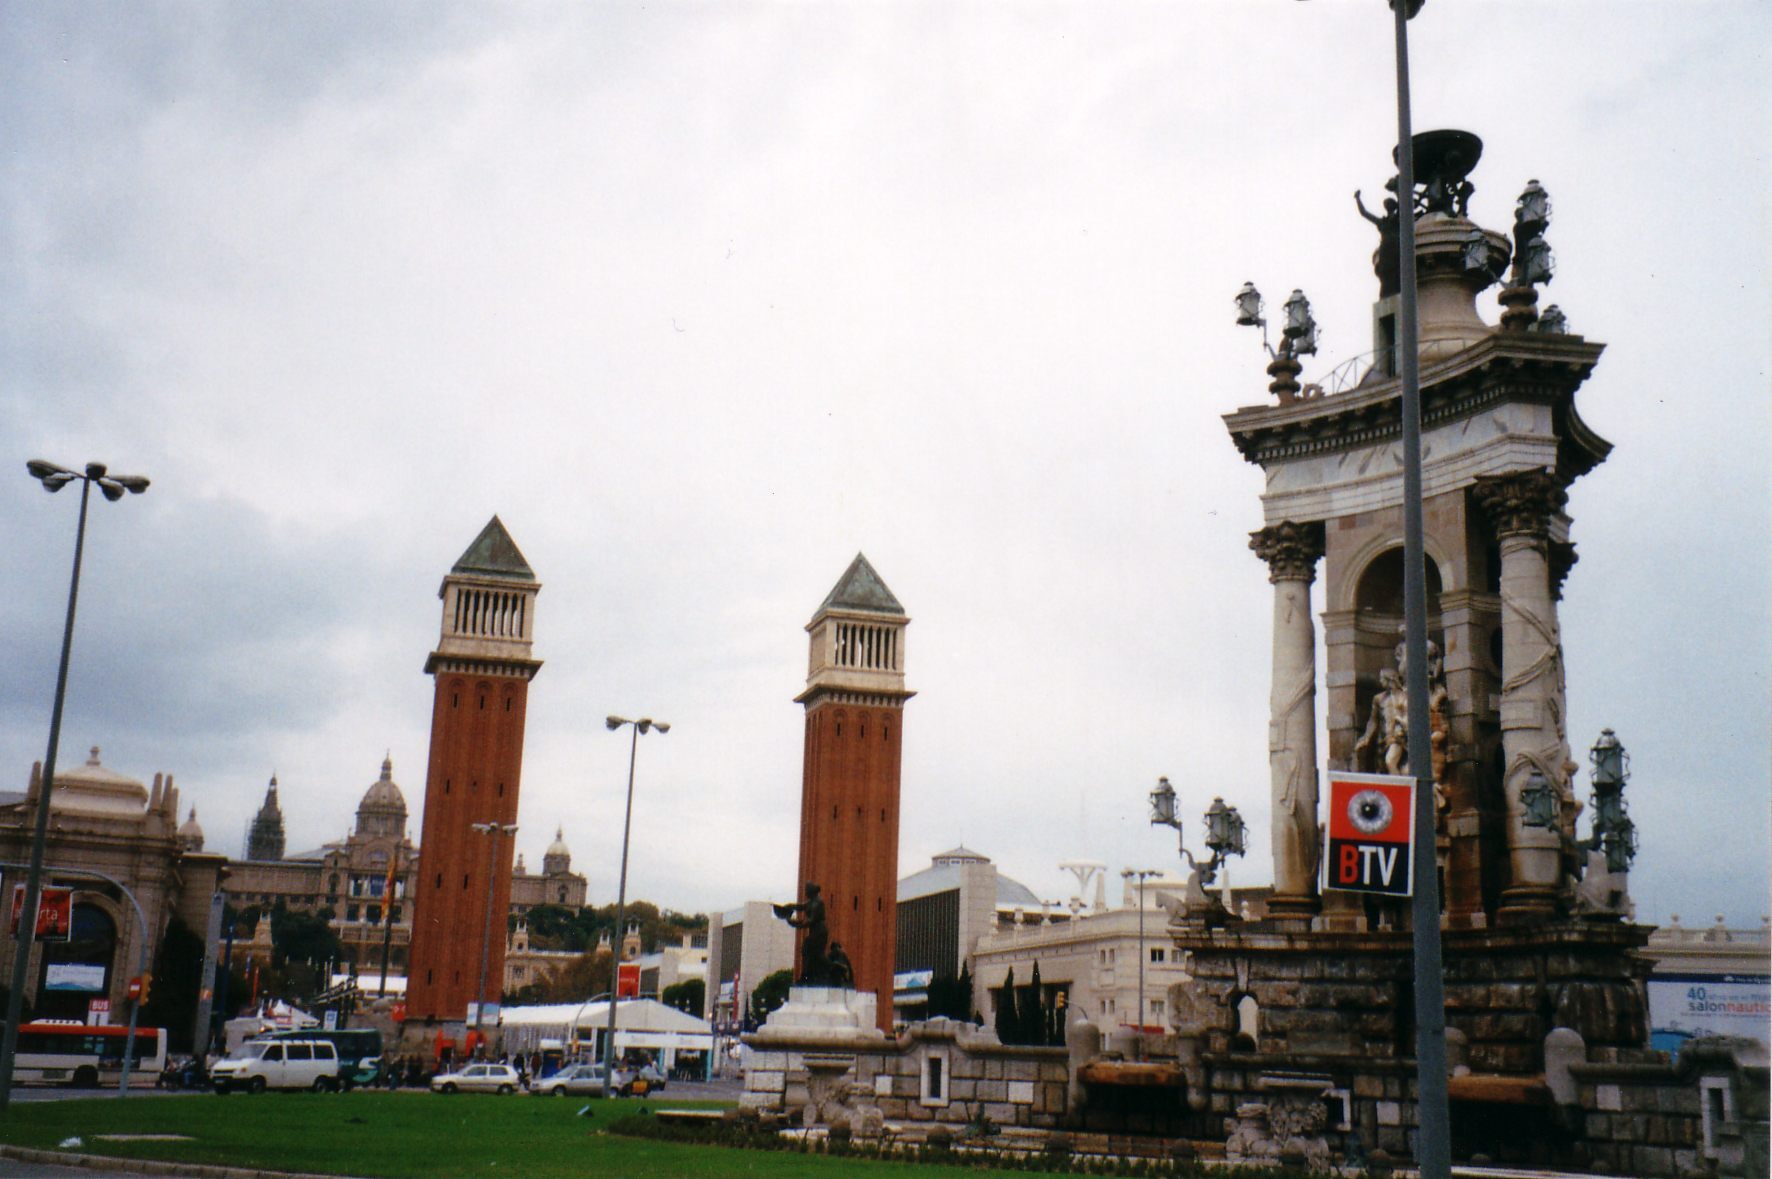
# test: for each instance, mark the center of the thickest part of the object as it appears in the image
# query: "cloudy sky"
(702, 299)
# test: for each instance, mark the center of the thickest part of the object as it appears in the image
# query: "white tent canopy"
(639, 1024)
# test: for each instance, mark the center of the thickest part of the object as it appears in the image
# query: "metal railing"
(1356, 371)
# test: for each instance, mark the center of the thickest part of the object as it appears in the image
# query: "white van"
(278, 1064)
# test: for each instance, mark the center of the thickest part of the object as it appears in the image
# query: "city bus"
(359, 1050)
(83, 1056)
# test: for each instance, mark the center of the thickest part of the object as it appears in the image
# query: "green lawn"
(417, 1134)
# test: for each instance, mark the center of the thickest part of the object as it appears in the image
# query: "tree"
(1031, 1012)
(556, 927)
(305, 937)
(1007, 1016)
(770, 994)
(962, 1008)
(579, 980)
(688, 996)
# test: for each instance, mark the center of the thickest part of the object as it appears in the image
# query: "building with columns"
(119, 846)
(1502, 442)
(1540, 963)
(854, 701)
(350, 876)
(482, 667)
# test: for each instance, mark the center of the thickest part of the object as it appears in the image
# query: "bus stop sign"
(1371, 833)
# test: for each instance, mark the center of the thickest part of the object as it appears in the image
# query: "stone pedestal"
(1336, 1009)
(808, 1046)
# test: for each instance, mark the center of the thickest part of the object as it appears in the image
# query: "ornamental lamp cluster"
(1298, 335)
(1533, 262)
(1226, 833)
(1614, 833)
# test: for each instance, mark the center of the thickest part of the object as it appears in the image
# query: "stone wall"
(1643, 1114)
(1011, 1086)
(1305, 1042)
(1351, 994)
(819, 1072)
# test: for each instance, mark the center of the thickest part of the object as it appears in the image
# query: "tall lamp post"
(644, 724)
(492, 831)
(1141, 875)
(1433, 1152)
(112, 487)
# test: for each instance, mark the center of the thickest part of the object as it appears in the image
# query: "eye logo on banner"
(1371, 833)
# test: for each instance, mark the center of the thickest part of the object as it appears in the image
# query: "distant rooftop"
(943, 875)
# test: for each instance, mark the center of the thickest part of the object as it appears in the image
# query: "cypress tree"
(1007, 1013)
(1033, 1011)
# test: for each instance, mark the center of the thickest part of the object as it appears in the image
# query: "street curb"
(93, 1162)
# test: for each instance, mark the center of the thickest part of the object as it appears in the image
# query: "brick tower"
(482, 666)
(854, 702)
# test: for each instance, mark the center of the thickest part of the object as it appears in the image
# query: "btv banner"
(1371, 833)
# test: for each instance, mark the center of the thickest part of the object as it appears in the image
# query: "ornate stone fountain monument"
(1304, 1020)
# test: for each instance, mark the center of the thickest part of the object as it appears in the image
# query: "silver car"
(478, 1078)
(575, 1080)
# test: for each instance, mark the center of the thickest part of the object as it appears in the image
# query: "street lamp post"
(644, 724)
(492, 831)
(1141, 875)
(112, 487)
(1434, 1142)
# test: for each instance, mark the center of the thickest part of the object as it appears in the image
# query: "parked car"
(278, 1064)
(478, 1078)
(575, 1080)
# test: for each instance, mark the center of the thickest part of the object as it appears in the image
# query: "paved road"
(22, 1093)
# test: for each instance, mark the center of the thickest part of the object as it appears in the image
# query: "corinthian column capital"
(1290, 550)
(1521, 503)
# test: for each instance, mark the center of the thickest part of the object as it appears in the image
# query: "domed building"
(557, 884)
(352, 876)
(356, 877)
(111, 838)
(190, 833)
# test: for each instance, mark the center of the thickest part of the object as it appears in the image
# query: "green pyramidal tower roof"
(494, 554)
(860, 588)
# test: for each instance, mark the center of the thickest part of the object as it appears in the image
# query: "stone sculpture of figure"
(1384, 746)
(815, 963)
(842, 974)
(1388, 265)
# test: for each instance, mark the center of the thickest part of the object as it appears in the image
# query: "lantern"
(1539, 801)
(1163, 805)
(1248, 302)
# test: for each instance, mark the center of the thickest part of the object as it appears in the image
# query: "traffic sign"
(1371, 833)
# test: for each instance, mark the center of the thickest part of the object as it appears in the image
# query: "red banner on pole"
(627, 981)
(55, 912)
(1371, 833)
